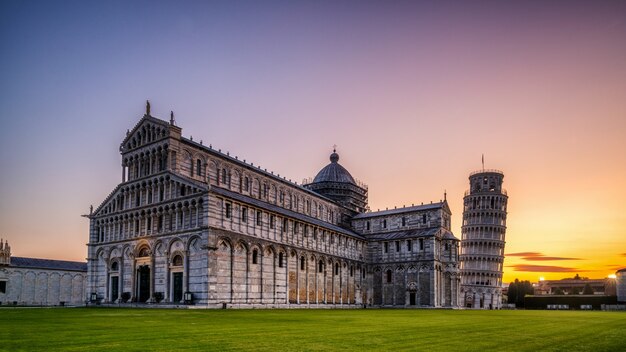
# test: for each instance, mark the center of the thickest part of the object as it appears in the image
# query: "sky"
(412, 93)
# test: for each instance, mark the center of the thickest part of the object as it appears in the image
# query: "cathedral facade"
(190, 224)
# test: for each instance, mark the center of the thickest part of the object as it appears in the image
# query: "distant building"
(603, 287)
(34, 281)
(621, 285)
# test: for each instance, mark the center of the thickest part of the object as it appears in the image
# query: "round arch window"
(115, 266)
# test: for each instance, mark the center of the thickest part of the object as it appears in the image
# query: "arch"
(270, 250)
(143, 250)
(192, 243)
(212, 171)
(175, 244)
(177, 259)
(224, 244)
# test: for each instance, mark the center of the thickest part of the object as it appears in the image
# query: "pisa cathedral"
(190, 224)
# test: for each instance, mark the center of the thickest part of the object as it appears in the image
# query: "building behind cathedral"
(40, 282)
(190, 224)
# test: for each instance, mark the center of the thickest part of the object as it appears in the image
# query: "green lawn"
(112, 329)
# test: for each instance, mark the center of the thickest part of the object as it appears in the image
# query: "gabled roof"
(49, 264)
(397, 235)
(276, 209)
(410, 209)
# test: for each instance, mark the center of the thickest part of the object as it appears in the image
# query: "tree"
(512, 293)
(558, 291)
(517, 291)
(575, 291)
(587, 290)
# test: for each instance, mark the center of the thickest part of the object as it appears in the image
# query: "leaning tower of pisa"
(482, 241)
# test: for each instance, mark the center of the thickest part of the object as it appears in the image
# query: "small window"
(367, 225)
(198, 167)
(447, 246)
(259, 219)
(351, 271)
(320, 266)
(224, 176)
(143, 253)
(397, 246)
(421, 244)
(272, 221)
(336, 268)
(285, 223)
(115, 266)
(424, 218)
(403, 221)
(228, 210)
(384, 223)
(280, 260)
(244, 214)
(302, 262)
(386, 247)
(363, 273)
(255, 256)
(246, 185)
(409, 245)
(388, 276)
(3, 287)
(295, 227)
(177, 260)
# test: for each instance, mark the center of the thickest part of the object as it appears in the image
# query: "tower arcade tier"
(482, 241)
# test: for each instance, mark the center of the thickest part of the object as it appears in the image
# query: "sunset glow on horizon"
(411, 93)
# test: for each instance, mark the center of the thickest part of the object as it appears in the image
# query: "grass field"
(111, 329)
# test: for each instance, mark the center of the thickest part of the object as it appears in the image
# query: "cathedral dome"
(334, 172)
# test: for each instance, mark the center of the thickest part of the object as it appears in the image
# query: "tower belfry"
(483, 239)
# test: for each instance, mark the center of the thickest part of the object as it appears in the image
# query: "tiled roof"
(396, 235)
(282, 211)
(256, 169)
(372, 214)
(49, 264)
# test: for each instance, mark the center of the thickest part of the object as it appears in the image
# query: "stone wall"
(29, 286)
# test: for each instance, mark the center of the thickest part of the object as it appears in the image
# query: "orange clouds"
(544, 268)
(536, 256)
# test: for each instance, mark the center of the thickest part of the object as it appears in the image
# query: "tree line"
(517, 291)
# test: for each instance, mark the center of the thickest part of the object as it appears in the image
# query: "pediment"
(113, 202)
(148, 130)
(446, 207)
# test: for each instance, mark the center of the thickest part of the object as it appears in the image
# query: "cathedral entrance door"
(143, 283)
(115, 280)
(412, 298)
(178, 286)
